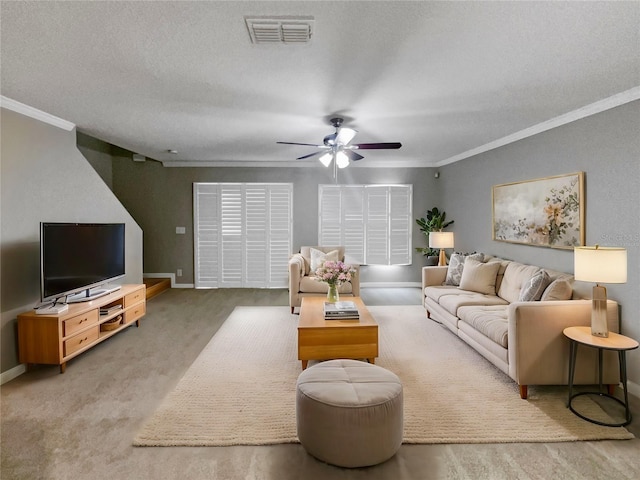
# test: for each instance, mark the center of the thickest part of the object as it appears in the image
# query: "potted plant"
(435, 221)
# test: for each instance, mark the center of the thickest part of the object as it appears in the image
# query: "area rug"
(241, 388)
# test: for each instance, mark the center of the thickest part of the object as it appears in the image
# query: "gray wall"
(98, 154)
(606, 147)
(160, 199)
(45, 178)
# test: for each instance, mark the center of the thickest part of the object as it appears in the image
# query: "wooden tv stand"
(55, 339)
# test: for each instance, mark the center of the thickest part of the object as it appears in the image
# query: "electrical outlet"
(179, 272)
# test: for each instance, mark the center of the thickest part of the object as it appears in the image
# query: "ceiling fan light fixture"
(342, 160)
(345, 135)
(326, 159)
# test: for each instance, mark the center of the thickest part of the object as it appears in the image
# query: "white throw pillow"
(319, 257)
(456, 266)
(532, 290)
(560, 289)
(479, 277)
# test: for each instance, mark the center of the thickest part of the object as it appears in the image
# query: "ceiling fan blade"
(378, 146)
(315, 154)
(352, 155)
(305, 144)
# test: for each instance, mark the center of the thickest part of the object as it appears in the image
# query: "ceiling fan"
(337, 146)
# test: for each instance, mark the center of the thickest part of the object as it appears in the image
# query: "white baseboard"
(12, 373)
(171, 276)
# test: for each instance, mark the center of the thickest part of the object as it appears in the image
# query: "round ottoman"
(349, 413)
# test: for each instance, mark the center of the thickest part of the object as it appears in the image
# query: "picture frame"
(544, 212)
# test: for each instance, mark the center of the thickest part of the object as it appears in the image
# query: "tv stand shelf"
(56, 339)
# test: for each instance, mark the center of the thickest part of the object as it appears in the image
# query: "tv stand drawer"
(134, 298)
(81, 340)
(77, 323)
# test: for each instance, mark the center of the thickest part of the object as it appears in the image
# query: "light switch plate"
(180, 230)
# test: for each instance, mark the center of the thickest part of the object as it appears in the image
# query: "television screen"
(79, 256)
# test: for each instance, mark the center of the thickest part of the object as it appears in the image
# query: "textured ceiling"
(443, 78)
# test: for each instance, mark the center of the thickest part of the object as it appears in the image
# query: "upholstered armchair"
(302, 282)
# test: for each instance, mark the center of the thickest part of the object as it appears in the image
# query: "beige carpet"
(241, 389)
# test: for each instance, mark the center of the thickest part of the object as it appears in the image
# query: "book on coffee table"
(341, 310)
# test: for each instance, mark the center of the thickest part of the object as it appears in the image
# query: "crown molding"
(28, 111)
(289, 163)
(597, 107)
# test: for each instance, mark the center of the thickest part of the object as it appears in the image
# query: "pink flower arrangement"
(334, 273)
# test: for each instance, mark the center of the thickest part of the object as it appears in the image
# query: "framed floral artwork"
(545, 212)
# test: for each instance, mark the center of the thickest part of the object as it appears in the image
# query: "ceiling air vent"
(280, 29)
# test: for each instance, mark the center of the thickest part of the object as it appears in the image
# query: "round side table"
(615, 341)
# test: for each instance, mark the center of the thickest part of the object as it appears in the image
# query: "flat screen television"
(76, 258)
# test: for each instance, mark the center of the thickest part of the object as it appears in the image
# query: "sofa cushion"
(456, 266)
(434, 292)
(559, 289)
(451, 303)
(491, 321)
(480, 277)
(318, 258)
(515, 276)
(503, 267)
(533, 289)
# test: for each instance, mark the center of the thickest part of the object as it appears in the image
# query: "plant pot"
(431, 261)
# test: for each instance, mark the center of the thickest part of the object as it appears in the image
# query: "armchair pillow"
(318, 258)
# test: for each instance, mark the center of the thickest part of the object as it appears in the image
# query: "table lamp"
(600, 265)
(441, 240)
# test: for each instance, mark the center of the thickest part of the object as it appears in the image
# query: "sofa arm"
(296, 264)
(539, 351)
(296, 272)
(433, 276)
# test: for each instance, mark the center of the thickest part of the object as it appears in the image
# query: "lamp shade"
(600, 264)
(441, 240)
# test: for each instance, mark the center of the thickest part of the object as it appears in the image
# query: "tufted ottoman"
(349, 413)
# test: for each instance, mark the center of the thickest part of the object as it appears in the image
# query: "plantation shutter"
(280, 232)
(400, 223)
(231, 220)
(206, 229)
(330, 215)
(373, 222)
(247, 229)
(377, 222)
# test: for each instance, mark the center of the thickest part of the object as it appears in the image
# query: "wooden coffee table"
(320, 339)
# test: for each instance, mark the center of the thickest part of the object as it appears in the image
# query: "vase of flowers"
(334, 274)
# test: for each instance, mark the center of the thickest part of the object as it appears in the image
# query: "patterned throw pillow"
(532, 290)
(318, 258)
(456, 265)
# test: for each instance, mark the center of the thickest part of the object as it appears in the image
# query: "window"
(242, 234)
(373, 222)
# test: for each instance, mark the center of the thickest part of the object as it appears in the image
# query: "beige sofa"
(524, 339)
(302, 282)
